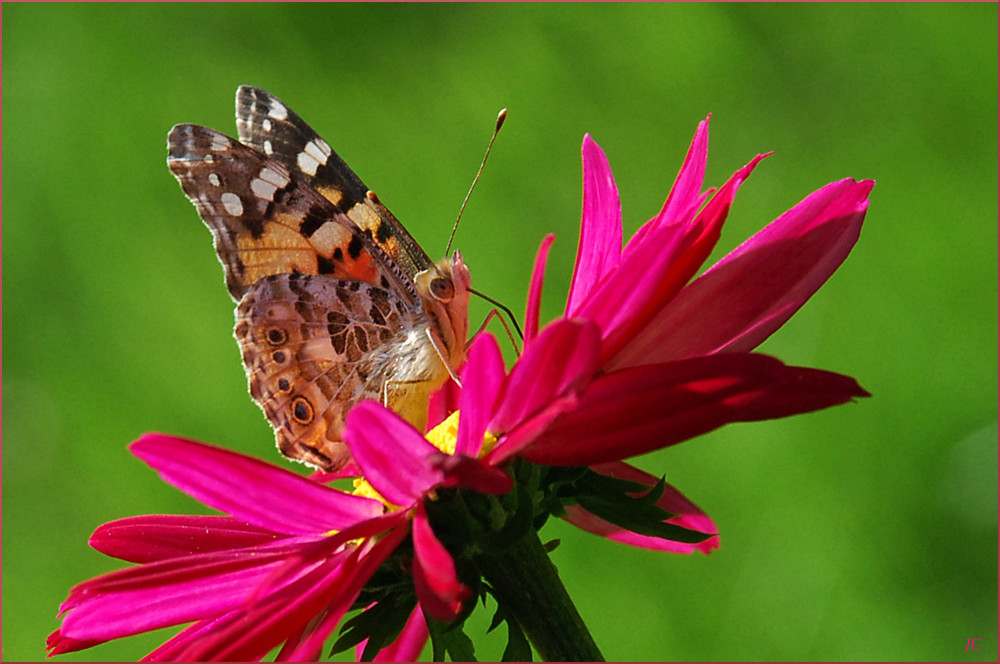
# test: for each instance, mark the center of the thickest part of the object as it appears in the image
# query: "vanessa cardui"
(337, 302)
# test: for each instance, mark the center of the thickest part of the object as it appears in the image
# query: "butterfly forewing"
(265, 123)
(264, 219)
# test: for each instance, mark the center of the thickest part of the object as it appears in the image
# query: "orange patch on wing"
(331, 194)
(278, 251)
(362, 269)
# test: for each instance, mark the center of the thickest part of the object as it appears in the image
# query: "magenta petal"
(58, 643)
(641, 409)
(483, 376)
(600, 229)
(349, 588)
(529, 429)
(250, 489)
(392, 454)
(531, 314)
(560, 361)
(408, 645)
(688, 515)
(685, 196)
(250, 634)
(750, 293)
(443, 403)
(144, 539)
(595, 525)
(169, 592)
(620, 302)
(440, 592)
(466, 471)
(328, 590)
(170, 650)
(655, 269)
(347, 471)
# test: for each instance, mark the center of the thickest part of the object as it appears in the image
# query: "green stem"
(527, 584)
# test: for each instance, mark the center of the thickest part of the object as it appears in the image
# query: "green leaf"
(498, 617)
(597, 484)
(518, 649)
(381, 624)
(450, 639)
(631, 514)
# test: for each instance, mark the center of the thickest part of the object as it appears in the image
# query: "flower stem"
(527, 584)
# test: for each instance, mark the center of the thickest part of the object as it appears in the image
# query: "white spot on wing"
(219, 143)
(232, 203)
(318, 150)
(268, 150)
(263, 189)
(308, 163)
(274, 177)
(323, 147)
(277, 110)
(266, 124)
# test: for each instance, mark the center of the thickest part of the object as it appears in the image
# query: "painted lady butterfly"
(337, 302)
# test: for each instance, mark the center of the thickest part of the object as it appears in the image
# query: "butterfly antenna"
(500, 118)
(502, 307)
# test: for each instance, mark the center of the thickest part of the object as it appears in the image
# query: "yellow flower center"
(444, 437)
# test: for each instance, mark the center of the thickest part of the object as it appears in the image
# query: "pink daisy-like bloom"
(282, 569)
(664, 358)
(683, 349)
(642, 359)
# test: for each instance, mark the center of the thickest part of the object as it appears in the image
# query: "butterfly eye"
(442, 289)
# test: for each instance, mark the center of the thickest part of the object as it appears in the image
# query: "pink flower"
(674, 357)
(283, 568)
(644, 359)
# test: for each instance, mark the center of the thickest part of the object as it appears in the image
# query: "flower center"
(444, 437)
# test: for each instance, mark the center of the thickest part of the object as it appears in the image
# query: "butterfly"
(337, 303)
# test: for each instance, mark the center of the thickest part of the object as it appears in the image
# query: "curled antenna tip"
(501, 116)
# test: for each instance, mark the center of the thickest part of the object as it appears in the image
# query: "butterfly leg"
(444, 358)
(494, 313)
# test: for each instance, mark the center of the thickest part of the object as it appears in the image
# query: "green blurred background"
(866, 532)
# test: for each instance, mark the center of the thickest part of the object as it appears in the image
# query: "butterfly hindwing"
(305, 342)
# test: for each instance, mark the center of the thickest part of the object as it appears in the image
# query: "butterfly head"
(444, 290)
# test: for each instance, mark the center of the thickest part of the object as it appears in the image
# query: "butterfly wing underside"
(265, 123)
(305, 344)
(334, 304)
(264, 219)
